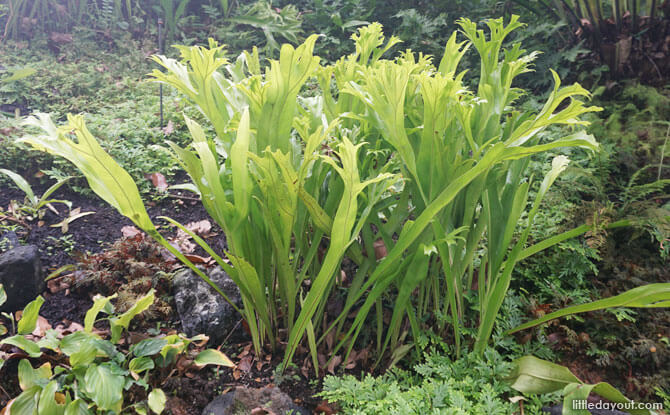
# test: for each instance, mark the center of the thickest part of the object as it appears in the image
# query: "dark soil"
(60, 307)
(94, 232)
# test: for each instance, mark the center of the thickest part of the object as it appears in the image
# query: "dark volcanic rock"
(21, 275)
(244, 400)
(201, 309)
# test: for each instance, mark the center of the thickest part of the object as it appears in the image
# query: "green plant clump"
(394, 165)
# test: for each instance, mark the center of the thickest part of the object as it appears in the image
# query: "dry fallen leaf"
(245, 364)
(334, 362)
(324, 408)
(200, 227)
(41, 327)
(58, 284)
(158, 180)
(130, 231)
(380, 249)
(169, 128)
(197, 259)
(182, 240)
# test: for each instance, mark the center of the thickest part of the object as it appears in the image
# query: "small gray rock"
(21, 275)
(201, 309)
(243, 400)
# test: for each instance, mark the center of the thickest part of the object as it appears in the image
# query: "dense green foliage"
(96, 375)
(463, 159)
(470, 385)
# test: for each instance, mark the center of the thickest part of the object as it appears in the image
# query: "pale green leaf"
(104, 386)
(156, 400)
(213, 357)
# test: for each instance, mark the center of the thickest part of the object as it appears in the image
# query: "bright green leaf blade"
(29, 317)
(19, 74)
(22, 184)
(149, 347)
(77, 407)
(47, 403)
(99, 303)
(120, 323)
(26, 402)
(141, 364)
(646, 296)
(28, 376)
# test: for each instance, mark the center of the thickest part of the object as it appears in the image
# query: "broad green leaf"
(22, 184)
(73, 342)
(29, 317)
(50, 340)
(77, 407)
(48, 403)
(85, 353)
(141, 364)
(537, 376)
(26, 402)
(213, 357)
(104, 387)
(29, 377)
(148, 347)
(19, 74)
(156, 400)
(106, 178)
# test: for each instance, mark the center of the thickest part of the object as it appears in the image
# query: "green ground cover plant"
(87, 374)
(393, 153)
(470, 385)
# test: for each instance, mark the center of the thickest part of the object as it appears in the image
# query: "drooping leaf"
(536, 376)
(213, 357)
(646, 296)
(24, 344)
